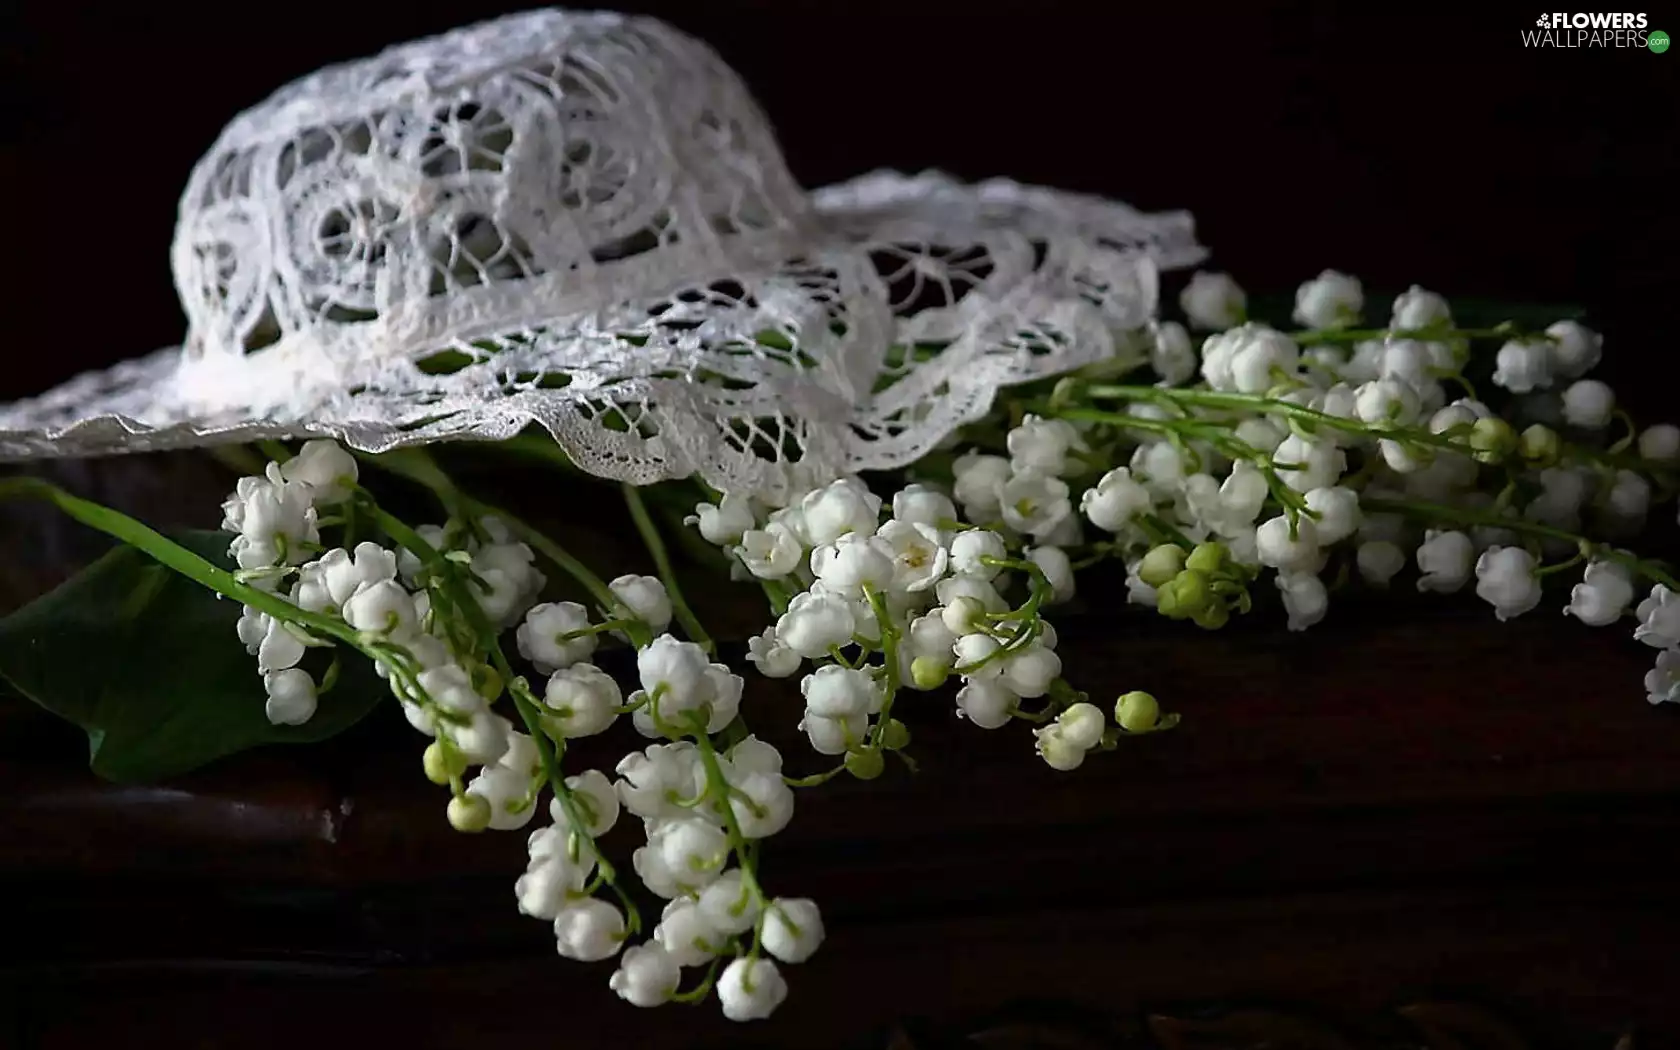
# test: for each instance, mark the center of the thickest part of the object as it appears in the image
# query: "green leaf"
(148, 663)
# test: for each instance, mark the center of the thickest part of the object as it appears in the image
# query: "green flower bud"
(1161, 564)
(469, 813)
(1193, 590)
(866, 764)
(1492, 439)
(1066, 391)
(442, 762)
(486, 682)
(1213, 616)
(1539, 446)
(929, 673)
(896, 737)
(1207, 558)
(1137, 712)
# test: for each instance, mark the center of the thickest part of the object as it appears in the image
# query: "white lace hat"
(583, 221)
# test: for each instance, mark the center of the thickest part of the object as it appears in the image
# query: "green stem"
(717, 785)
(889, 650)
(662, 563)
(171, 554)
(1321, 336)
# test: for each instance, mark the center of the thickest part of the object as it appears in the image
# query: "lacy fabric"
(582, 221)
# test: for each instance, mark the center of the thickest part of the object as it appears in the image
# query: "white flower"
(1365, 364)
(645, 598)
(1042, 445)
(1444, 558)
(291, 696)
(1562, 492)
(548, 885)
(1387, 403)
(772, 658)
(843, 507)
(1311, 463)
(1629, 498)
(918, 559)
(646, 976)
(1057, 569)
(1505, 579)
(1213, 301)
(1029, 670)
(597, 800)
(1034, 503)
(589, 931)
(853, 564)
(725, 522)
(728, 905)
(1056, 749)
(1259, 356)
(1260, 434)
(971, 552)
(816, 622)
(544, 638)
(750, 989)
(763, 803)
(484, 739)
(931, 639)
(1305, 599)
(832, 736)
(1410, 361)
(1662, 682)
(326, 468)
(326, 584)
(1281, 550)
(506, 786)
(1659, 619)
(977, 479)
(1660, 443)
(1338, 511)
(1115, 501)
(1171, 353)
(1379, 561)
(1602, 596)
(1339, 400)
(1330, 300)
(723, 700)
(1575, 348)
(1523, 366)
(692, 849)
(793, 929)
(836, 692)
(275, 520)
(1082, 725)
(1241, 495)
(280, 648)
(383, 608)
(654, 781)
(676, 678)
(986, 702)
(1588, 403)
(1416, 309)
(1137, 591)
(580, 701)
(920, 504)
(685, 933)
(770, 553)
(1160, 467)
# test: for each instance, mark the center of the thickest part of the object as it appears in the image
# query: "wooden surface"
(1415, 809)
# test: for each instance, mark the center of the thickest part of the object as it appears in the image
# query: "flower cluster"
(1258, 463)
(429, 607)
(1317, 455)
(879, 595)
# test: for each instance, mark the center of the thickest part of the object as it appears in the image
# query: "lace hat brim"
(920, 299)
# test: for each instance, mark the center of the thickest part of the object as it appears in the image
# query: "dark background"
(1399, 142)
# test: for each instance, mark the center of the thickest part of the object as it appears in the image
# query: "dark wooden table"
(1406, 827)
